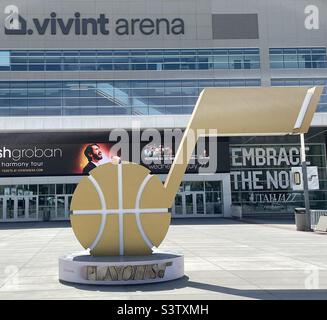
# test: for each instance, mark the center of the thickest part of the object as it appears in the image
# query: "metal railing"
(315, 215)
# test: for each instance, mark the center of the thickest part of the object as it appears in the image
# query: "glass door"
(18, 208)
(21, 211)
(199, 203)
(1, 209)
(178, 205)
(62, 207)
(200, 200)
(9, 208)
(214, 203)
(189, 204)
(32, 204)
(68, 201)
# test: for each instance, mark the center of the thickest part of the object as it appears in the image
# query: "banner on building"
(269, 177)
(50, 156)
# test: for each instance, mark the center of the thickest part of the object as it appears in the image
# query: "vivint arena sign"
(16, 24)
(244, 27)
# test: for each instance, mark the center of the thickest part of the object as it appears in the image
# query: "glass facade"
(297, 58)
(160, 59)
(322, 107)
(256, 186)
(4, 60)
(35, 202)
(52, 201)
(117, 97)
(129, 60)
(36, 189)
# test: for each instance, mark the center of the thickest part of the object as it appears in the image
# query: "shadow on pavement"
(34, 225)
(66, 224)
(268, 221)
(264, 294)
(205, 221)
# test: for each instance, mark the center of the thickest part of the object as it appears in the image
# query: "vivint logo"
(15, 24)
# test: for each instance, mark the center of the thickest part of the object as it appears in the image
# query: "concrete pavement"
(224, 259)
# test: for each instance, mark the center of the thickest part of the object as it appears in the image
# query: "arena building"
(73, 71)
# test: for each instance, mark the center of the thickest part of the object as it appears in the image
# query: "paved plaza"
(224, 259)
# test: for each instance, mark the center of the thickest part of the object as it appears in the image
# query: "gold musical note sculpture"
(121, 209)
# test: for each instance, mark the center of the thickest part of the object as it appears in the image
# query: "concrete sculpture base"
(121, 270)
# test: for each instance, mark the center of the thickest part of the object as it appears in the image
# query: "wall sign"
(16, 24)
(265, 174)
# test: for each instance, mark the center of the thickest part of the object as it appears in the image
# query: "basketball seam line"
(103, 215)
(137, 212)
(120, 209)
(116, 211)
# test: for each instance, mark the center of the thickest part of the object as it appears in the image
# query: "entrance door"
(18, 208)
(22, 208)
(9, 208)
(32, 208)
(189, 204)
(62, 207)
(1, 209)
(199, 202)
(194, 203)
(178, 208)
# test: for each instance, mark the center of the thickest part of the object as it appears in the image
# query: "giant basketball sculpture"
(127, 216)
(122, 210)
